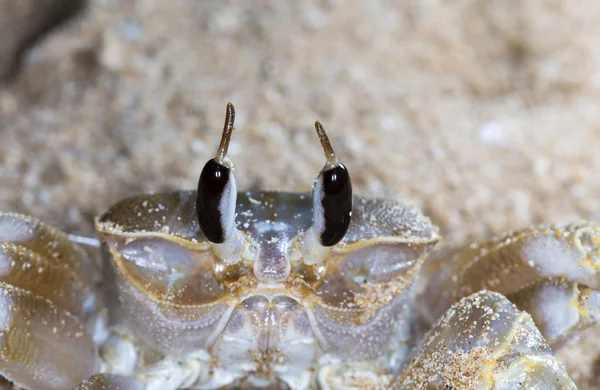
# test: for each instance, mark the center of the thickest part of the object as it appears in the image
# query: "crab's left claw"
(551, 272)
(484, 342)
(110, 382)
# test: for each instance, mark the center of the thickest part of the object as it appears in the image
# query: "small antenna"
(227, 130)
(327, 148)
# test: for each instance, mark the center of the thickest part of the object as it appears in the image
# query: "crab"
(220, 289)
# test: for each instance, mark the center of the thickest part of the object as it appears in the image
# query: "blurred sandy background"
(482, 112)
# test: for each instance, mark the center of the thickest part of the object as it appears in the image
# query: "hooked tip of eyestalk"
(327, 148)
(226, 137)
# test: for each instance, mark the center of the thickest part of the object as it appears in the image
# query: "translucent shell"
(484, 342)
(182, 297)
(46, 296)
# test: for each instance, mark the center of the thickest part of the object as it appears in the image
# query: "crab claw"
(47, 301)
(484, 342)
(550, 272)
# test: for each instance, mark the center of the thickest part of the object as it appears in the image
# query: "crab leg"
(484, 342)
(544, 270)
(47, 301)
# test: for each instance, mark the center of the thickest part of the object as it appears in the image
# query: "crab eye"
(215, 203)
(332, 196)
(217, 190)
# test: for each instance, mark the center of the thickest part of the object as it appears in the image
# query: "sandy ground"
(482, 112)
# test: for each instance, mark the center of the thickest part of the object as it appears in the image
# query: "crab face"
(269, 311)
(219, 289)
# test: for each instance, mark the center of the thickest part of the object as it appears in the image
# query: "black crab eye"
(217, 190)
(332, 196)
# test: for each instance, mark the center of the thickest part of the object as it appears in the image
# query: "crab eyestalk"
(216, 199)
(332, 205)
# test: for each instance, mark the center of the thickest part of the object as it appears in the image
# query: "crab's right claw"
(110, 382)
(484, 342)
(551, 272)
